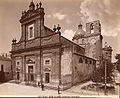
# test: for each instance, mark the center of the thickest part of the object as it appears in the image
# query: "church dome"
(79, 33)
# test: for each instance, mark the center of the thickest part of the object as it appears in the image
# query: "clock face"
(92, 41)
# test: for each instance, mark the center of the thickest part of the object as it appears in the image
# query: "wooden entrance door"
(47, 77)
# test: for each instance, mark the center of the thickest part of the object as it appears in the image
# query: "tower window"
(30, 31)
(92, 28)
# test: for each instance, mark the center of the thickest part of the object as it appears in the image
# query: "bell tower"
(93, 27)
(94, 37)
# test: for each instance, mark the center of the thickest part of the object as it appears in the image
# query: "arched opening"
(92, 28)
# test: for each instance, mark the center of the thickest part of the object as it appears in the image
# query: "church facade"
(44, 56)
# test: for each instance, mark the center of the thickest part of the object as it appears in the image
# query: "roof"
(67, 41)
(80, 32)
(85, 56)
(108, 48)
(2, 58)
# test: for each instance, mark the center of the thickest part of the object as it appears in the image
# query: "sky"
(67, 13)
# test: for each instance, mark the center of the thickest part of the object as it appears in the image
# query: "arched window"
(80, 60)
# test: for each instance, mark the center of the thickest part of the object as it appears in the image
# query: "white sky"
(67, 13)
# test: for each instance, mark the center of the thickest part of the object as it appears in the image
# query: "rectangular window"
(18, 63)
(47, 61)
(31, 31)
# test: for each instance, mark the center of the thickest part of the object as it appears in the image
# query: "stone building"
(44, 56)
(107, 52)
(90, 40)
(5, 68)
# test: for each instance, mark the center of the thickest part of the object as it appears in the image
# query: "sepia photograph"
(60, 48)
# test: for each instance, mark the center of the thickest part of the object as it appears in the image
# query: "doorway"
(2, 68)
(30, 73)
(47, 77)
(18, 75)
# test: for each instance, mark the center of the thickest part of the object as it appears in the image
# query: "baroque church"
(44, 56)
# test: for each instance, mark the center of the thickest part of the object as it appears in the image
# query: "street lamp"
(105, 77)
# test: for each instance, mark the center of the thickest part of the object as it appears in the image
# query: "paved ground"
(12, 89)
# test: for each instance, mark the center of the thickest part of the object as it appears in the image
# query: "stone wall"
(82, 70)
(6, 65)
(66, 67)
(7, 69)
(51, 53)
(53, 67)
(93, 48)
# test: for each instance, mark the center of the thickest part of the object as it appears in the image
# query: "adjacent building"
(107, 52)
(5, 68)
(90, 40)
(43, 56)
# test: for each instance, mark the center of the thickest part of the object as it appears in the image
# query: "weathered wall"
(7, 68)
(93, 47)
(53, 56)
(52, 53)
(107, 53)
(66, 66)
(6, 65)
(82, 71)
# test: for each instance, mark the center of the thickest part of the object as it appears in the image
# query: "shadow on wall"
(5, 76)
